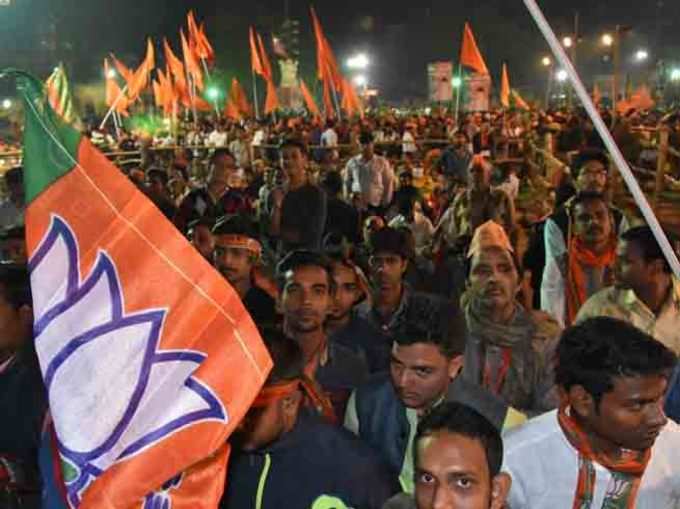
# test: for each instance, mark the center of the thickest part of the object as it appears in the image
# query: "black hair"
(390, 240)
(303, 258)
(220, 152)
(286, 354)
(366, 137)
(644, 238)
(596, 351)
(206, 221)
(15, 175)
(15, 285)
(332, 183)
(293, 143)
(460, 419)
(586, 197)
(587, 155)
(157, 173)
(14, 232)
(236, 224)
(432, 320)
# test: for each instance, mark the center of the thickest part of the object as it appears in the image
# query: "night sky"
(401, 37)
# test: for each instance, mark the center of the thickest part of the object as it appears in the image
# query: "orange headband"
(276, 392)
(241, 242)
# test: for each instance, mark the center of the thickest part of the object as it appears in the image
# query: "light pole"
(548, 64)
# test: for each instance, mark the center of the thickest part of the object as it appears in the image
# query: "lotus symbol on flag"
(103, 367)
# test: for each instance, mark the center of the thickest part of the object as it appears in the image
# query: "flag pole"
(113, 106)
(460, 85)
(207, 73)
(255, 99)
(335, 99)
(606, 136)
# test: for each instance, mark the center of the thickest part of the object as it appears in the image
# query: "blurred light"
(546, 61)
(607, 40)
(213, 93)
(568, 42)
(7, 104)
(456, 82)
(641, 55)
(562, 75)
(359, 61)
(111, 74)
(360, 80)
(675, 74)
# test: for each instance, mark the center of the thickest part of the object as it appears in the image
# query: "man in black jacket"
(284, 456)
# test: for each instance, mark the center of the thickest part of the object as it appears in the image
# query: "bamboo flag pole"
(255, 98)
(113, 107)
(606, 136)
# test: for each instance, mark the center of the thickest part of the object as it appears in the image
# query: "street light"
(568, 42)
(456, 82)
(546, 61)
(111, 74)
(561, 75)
(675, 74)
(608, 40)
(641, 55)
(7, 104)
(213, 93)
(358, 61)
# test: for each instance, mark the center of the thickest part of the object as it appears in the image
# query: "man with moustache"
(610, 444)
(306, 288)
(587, 265)
(509, 350)
(237, 254)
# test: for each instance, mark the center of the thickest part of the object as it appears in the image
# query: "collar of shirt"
(629, 300)
(4, 366)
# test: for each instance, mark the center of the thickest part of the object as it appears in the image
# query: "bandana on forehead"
(271, 393)
(240, 242)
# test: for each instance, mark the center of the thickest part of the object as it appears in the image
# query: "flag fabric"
(240, 99)
(190, 62)
(199, 41)
(327, 65)
(174, 63)
(517, 100)
(470, 55)
(350, 101)
(327, 100)
(271, 103)
(114, 94)
(505, 87)
(641, 99)
(140, 341)
(141, 77)
(255, 62)
(309, 100)
(266, 65)
(122, 69)
(59, 94)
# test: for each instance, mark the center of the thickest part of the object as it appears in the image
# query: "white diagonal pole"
(606, 136)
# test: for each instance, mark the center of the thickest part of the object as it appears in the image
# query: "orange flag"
(469, 52)
(157, 94)
(350, 101)
(327, 100)
(199, 41)
(190, 62)
(272, 102)
(309, 100)
(122, 69)
(505, 87)
(264, 59)
(232, 111)
(114, 94)
(238, 95)
(327, 65)
(518, 100)
(140, 79)
(255, 62)
(174, 64)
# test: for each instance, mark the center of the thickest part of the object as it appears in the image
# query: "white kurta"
(544, 469)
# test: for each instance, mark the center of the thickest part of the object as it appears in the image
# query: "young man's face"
(387, 270)
(347, 291)
(451, 472)
(592, 177)
(203, 240)
(629, 416)
(631, 270)
(305, 299)
(293, 162)
(234, 263)
(479, 176)
(494, 275)
(592, 222)
(421, 373)
(15, 325)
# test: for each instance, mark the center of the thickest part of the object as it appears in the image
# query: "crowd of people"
(460, 314)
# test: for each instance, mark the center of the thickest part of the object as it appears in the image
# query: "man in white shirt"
(371, 176)
(610, 444)
(218, 138)
(329, 138)
(408, 145)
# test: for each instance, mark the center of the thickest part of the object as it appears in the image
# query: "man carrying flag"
(148, 357)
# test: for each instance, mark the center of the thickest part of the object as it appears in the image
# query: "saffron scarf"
(626, 469)
(578, 257)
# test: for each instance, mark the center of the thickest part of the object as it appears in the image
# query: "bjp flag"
(148, 356)
(505, 87)
(470, 56)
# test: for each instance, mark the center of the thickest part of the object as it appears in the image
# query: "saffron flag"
(174, 63)
(350, 101)
(122, 69)
(470, 55)
(148, 356)
(327, 65)
(505, 87)
(141, 77)
(255, 62)
(115, 98)
(59, 94)
(272, 100)
(266, 65)
(518, 101)
(238, 96)
(190, 62)
(199, 41)
(309, 100)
